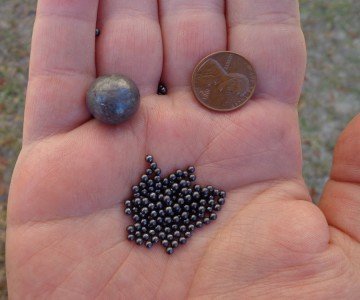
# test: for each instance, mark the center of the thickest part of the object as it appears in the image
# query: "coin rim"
(205, 58)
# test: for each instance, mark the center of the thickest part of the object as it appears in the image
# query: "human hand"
(66, 229)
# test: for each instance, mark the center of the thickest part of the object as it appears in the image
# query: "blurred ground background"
(331, 95)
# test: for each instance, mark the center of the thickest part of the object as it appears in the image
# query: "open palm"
(66, 229)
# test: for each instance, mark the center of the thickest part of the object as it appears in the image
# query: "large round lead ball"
(113, 99)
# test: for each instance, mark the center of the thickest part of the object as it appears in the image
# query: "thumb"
(340, 201)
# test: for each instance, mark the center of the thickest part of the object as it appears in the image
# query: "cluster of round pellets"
(167, 210)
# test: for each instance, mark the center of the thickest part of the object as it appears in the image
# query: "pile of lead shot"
(168, 209)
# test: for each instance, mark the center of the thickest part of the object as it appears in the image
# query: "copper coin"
(223, 81)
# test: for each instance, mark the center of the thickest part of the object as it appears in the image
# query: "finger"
(130, 42)
(61, 66)
(340, 201)
(191, 30)
(268, 33)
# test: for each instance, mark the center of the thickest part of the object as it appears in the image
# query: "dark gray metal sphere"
(113, 99)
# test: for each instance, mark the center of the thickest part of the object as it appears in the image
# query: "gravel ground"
(331, 95)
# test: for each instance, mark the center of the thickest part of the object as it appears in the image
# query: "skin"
(65, 236)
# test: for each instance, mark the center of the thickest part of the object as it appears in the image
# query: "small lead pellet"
(199, 224)
(113, 99)
(130, 229)
(182, 240)
(217, 207)
(187, 234)
(213, 216)
(221, 201)
(191, 169)
(169, 250)
(191, 227)
(162, 90)
(149, 159)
